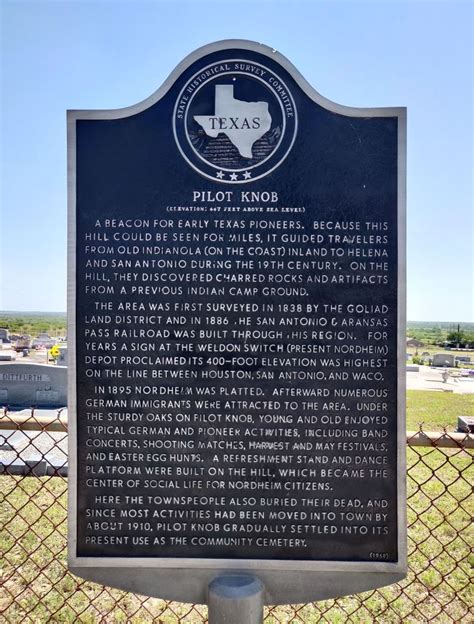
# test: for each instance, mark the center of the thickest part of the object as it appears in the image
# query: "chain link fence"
(37, 587)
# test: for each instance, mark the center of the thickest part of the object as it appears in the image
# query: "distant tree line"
(33, 324)
(443, 334)
(428, 333)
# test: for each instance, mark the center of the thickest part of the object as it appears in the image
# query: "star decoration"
(247, 175)
(233, 176)
(219, 175)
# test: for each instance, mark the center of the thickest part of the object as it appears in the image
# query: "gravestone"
(236, 306)
(465, 424)
(443, 359)
(62, 358)
(43, 340)
(33, 385)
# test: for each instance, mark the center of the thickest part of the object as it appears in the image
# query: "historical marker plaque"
(236, 306)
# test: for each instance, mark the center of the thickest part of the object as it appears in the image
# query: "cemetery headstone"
(62, 358)
(443, 359)
(466, 424)
(33, 385)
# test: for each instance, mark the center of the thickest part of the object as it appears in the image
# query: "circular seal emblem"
(235, 121)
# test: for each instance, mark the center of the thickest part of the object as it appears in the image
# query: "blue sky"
(109, 54)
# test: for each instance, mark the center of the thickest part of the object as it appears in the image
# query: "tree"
(460, 337)
(456, 337)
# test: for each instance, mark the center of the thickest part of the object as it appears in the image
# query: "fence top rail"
(440, 439)
(34, 421)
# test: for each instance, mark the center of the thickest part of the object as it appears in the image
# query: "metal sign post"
(235, 599)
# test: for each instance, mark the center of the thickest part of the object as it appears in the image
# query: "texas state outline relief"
(243, 123)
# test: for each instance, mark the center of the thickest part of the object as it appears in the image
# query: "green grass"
(435, 410)
(432, 350)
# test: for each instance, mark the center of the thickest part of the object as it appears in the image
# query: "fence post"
(235, 599)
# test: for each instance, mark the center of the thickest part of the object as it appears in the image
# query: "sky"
(109, 54)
